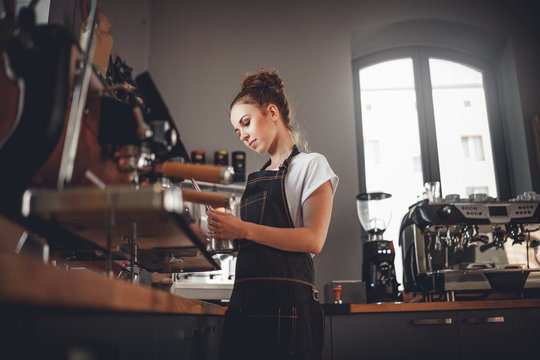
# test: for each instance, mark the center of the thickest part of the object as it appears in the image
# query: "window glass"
(391, 139)
(463, 138)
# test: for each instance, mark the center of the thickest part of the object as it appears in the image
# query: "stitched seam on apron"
(254, 201)
(275, 279)
(293, 330)
(263, 178)
(279, 328)
(285, 204)
(290, 350)
(264, 203)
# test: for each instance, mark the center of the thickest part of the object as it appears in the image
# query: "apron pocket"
(271, 333)
(286, 329)
(252, 207)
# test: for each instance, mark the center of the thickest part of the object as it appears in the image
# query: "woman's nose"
(245, 136)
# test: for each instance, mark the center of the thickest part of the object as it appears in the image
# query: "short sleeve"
(318, 172)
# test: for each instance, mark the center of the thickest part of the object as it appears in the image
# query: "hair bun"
(263, 79)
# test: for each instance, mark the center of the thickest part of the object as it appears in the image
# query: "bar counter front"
(51, 313)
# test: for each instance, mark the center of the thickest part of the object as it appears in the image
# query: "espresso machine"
(472, 248)
(378, 272)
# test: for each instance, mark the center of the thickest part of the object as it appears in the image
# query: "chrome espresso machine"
(472, 248)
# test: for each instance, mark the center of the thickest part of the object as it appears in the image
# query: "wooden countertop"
(26, 281)
(344, 309)
(441, 306)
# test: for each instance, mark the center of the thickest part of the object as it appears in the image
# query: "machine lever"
(487, 246)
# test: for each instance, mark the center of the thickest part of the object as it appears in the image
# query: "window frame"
(426, 117)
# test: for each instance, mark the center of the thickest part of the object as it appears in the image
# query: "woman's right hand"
(224, 226)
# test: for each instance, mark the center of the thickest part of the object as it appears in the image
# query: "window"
(372, 152)
(473, 147)
(429, 118)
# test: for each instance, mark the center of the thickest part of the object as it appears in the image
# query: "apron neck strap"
(285, 163)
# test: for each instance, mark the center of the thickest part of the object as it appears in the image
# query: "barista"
(274, 311)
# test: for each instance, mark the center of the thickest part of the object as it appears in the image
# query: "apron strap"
(286, 162)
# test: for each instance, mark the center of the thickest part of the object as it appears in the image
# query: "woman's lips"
(251, 143)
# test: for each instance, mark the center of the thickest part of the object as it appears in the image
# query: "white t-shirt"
(307, 171)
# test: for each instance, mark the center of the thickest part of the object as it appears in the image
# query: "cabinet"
(499, 334)
(454, 334)
(29, 333)
(394, 335)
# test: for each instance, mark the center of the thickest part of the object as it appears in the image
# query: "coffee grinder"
(378, 272)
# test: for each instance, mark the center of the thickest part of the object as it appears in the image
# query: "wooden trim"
(442, 306)
(26, 281)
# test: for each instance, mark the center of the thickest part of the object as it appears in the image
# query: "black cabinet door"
(499, 334)
(28, 333)
(394, 336)
(91, 336)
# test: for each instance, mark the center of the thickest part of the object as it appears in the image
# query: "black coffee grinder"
(378, 272)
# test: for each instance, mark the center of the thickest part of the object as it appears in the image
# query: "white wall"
(198, 51)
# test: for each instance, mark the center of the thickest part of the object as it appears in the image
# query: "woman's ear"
(273, 111)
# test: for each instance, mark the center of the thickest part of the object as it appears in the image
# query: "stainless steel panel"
(167, 238)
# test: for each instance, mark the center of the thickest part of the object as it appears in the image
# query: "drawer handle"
(443, 321)
(485, 320)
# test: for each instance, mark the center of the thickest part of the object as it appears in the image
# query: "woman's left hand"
(224, 226)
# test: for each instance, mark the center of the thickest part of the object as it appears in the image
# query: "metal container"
(215, 246)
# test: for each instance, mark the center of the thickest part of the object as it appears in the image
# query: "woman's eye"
(246, 122)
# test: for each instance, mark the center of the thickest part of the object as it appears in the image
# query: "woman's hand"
(224, 226)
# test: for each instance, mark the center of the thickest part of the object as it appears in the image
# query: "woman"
(274, 311)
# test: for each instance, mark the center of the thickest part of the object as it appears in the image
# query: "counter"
(430, 306)
(47, 311)
(26, 281)
(474, 329)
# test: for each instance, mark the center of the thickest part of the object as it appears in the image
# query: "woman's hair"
(263, 89)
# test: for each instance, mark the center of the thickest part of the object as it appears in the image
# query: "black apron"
(274, 311)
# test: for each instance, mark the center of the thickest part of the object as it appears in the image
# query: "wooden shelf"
(27, 282)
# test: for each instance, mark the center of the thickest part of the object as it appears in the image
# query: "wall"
(198, 51)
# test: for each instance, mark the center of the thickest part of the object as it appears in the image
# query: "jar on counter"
(239, 165)
(221, 157)
(198, 157)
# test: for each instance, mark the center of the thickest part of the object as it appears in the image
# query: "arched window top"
(478, 42)
(449, 73)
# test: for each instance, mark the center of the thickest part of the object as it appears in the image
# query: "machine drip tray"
(507, 281)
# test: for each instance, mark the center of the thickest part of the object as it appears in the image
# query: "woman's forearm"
(299, 239)
(310, 237)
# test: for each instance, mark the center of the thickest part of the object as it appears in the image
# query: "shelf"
(167, 238)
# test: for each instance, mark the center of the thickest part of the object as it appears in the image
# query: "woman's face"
(255, 129)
